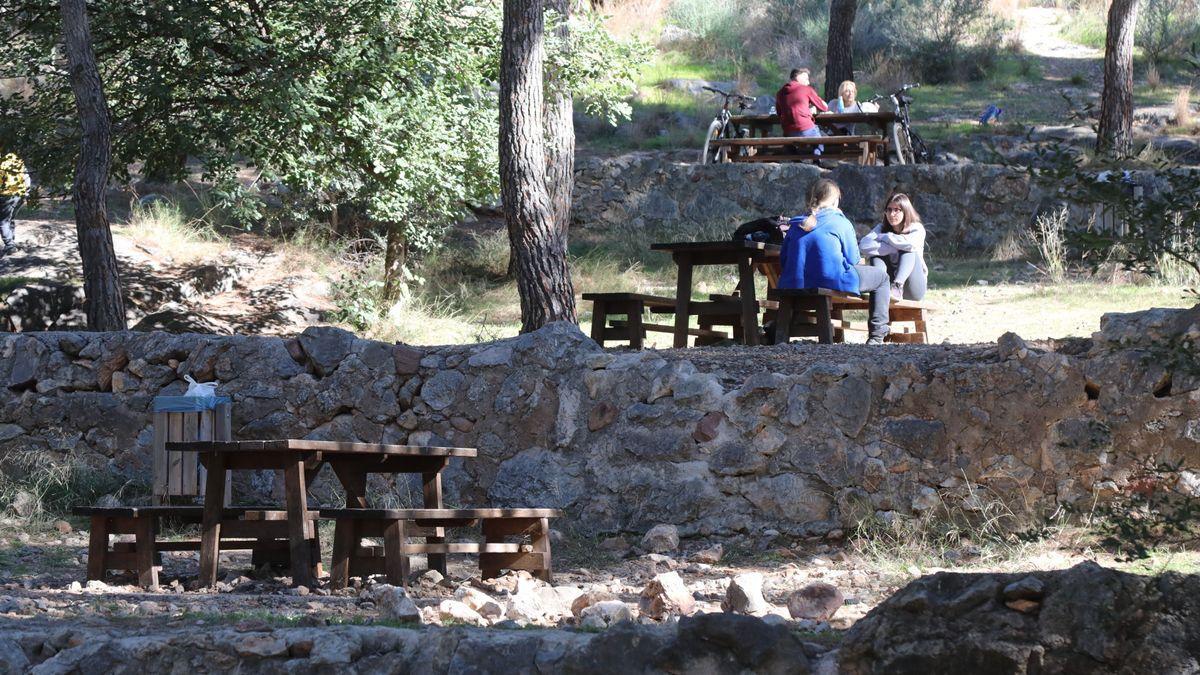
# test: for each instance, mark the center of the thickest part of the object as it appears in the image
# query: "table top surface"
(329, 449)
(730, 245)
(882, 116)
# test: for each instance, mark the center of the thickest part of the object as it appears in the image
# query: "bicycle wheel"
(902, 144)
(713, 155)
(920, 151)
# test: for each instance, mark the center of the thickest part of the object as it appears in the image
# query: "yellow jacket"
(14, 181)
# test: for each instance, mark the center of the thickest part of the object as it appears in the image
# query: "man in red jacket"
(794, 103)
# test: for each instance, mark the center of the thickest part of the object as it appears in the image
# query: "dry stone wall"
(798, 439)
(968, 208)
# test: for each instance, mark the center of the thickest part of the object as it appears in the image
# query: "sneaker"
(897, 292)
(8, 250)
(876, 339)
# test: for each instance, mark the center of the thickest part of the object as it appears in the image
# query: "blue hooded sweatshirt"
(823, 258)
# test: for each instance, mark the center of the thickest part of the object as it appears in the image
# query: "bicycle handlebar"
(726, 94)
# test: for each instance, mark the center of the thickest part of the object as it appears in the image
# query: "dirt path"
(1040, 31)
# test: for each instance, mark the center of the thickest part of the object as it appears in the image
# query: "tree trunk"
(394, 258)
(560, 133)
(101, 281)
(538, 248)
(1115, 135)
(839, 52)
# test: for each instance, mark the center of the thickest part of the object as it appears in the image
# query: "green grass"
(1085, 28)
(10, 284)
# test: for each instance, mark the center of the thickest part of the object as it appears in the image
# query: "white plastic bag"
(200, 389)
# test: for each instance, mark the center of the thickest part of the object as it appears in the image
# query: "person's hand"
(809, 223)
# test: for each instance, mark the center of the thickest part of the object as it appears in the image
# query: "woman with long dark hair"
(897, 246)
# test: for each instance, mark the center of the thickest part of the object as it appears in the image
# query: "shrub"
(1156, 509)
(58, 484)
(950, 41)
(1050, 242)
(1165, 27)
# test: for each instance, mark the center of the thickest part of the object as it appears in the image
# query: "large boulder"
(1087, 619)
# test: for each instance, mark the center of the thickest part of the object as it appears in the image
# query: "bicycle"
(722, 127)
(910, 148)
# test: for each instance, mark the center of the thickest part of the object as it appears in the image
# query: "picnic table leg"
(395, 562)
(143, 542)
(97, 549)
(210, 533)
(683, 298)
(599, 320)
(298, 523)
(541, 544)
(354, 482)
(783, 322)
(824, 320)
(345, 543)
(433, 500)
(749, 301)
(636, 333)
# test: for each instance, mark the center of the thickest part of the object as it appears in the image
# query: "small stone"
(744, 595)
(462, 424)
(666, 595)
(1024, 606)
(708, 556)
(479, 601)
(589, 598)
(605, 614)
(616, 545)
(1028, 588)
(97, 585)
(708, 427)
(601, 416)
(23, 504)
(299, 590)
(393, 603)
(431, 578)
(261, 645)
(62, 526)
(817, 601)
(458, 612)
(74, 587)
(662, 538)
(147, 607)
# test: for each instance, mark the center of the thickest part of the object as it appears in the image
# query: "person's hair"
(847, 83)
(796, 72)
(822, 191)
(906, 207)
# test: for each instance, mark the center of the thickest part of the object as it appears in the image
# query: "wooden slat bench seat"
(782, 148)
(805, 312)
(907, 319)
(629, 305)
(261, 530)
(351, 558)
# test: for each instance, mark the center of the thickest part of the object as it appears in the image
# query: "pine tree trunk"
(1115, 135)
(839, 52)
(560, 133)
(101, 280)
(539, 250)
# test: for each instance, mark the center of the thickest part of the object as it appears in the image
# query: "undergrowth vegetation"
(42, 485)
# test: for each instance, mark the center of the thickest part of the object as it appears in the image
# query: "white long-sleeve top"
(879, 243)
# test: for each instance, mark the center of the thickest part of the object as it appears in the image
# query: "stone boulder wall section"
(710, 643)
(801, 439)
(967, 208)
(1087, 619)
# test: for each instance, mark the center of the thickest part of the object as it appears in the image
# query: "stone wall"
(799, 439)
(967, 208)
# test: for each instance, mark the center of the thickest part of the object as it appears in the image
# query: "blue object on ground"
(992, 113)
(188, 403)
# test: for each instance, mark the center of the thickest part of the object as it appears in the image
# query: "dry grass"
(1153, 78)
(635, 18)
(160, 227)
(1182, 105)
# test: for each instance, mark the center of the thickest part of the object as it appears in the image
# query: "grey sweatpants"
(873, 282)
(8, 211)
(905, 270)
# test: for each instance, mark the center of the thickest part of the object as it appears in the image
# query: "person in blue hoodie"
(821, 251)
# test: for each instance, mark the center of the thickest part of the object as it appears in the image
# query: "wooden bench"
(263, 531)
(720, 310)
(805, 312)
(906, 318)
(865, 149)
(633, 327)
(351, 558)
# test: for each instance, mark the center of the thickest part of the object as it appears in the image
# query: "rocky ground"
(818, 590)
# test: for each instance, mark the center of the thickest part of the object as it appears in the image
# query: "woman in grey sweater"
(897, 246)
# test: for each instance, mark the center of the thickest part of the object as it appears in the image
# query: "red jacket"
(793, 102)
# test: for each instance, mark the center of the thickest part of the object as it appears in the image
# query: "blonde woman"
(845, 102)
(897, 246)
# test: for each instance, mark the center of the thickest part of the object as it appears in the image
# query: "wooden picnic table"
(744, 253)
(764, 125)
(300, 461)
